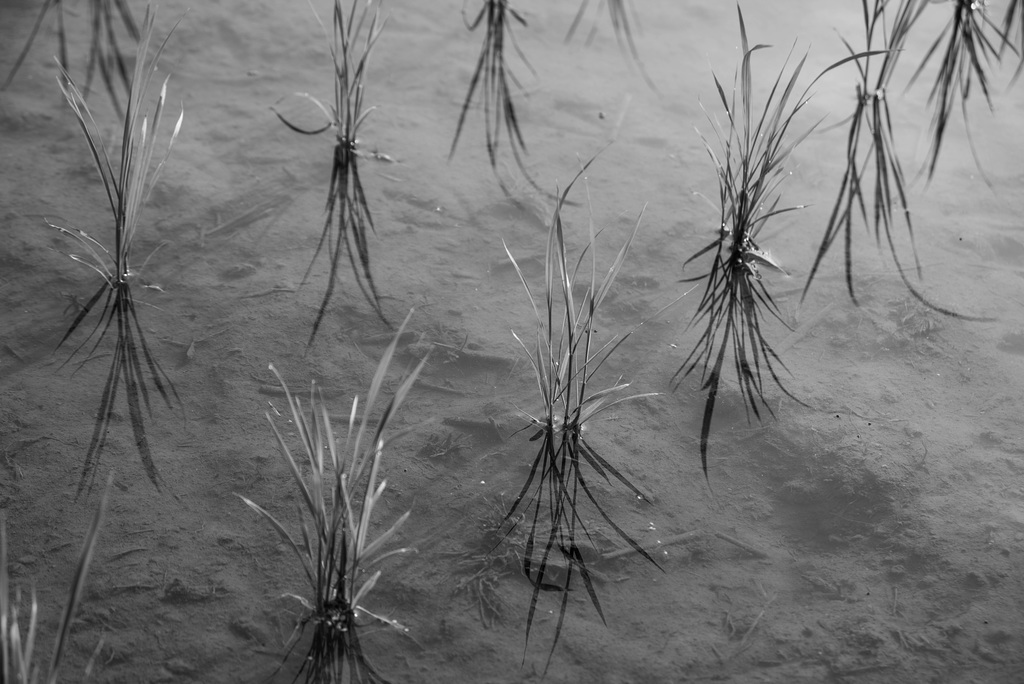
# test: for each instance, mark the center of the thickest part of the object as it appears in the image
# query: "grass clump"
(348, 221)
(874, 187)
(112, 305)
(493, 79)
(753, 146)
(339, 487)
(565, 356)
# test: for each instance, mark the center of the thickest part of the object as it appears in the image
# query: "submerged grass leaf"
(622, 27)
(966, 53)
(348, 221)
(104, 50)
(874, 187)
(493, 78)
(880, 172)
(1013, 33)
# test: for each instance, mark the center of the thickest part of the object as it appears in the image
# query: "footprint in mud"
(1012, 343)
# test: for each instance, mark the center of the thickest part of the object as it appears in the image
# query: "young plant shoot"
(18, 661)
(127, 188)
(966, 52)
(494, 78)
(872, 164)
(348, 222)
(565, 356)
(871, 123)
(339, 488)
(749, 159)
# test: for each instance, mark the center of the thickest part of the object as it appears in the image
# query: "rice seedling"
(127, 188)
(339, 492)
(104, 50)
(565, 357)
(874, 186)
(348, 221)
(750, 163)
(966, 52)
(18, 662)
(621, 26)
(495, 79)
(871, 124)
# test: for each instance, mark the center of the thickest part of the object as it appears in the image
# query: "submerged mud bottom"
(874, 535)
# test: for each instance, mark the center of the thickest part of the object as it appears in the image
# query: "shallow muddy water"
(874, 534)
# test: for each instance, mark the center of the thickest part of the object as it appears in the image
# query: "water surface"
(888, 512)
